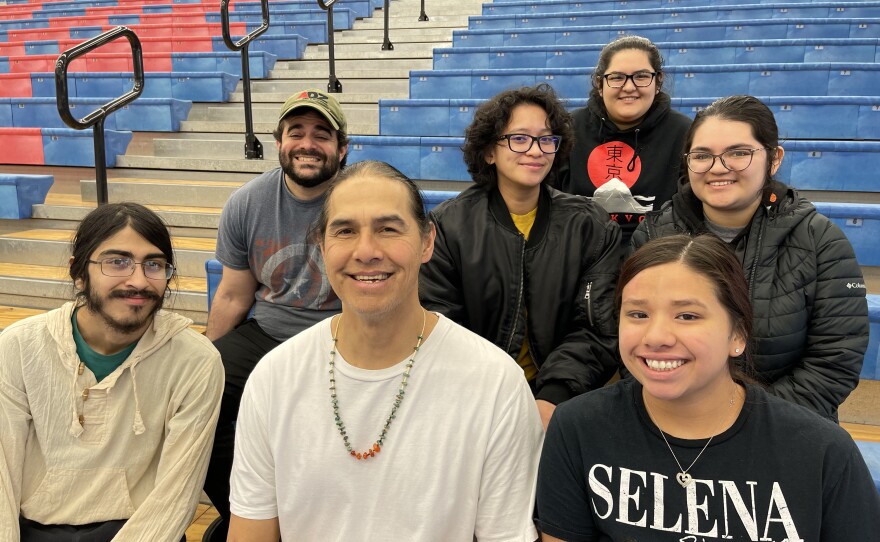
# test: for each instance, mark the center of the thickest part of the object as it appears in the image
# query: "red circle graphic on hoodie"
(609, 161)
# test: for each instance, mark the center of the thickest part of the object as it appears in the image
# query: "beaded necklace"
(340, 425)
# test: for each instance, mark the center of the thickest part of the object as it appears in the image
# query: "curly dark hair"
(492, 117)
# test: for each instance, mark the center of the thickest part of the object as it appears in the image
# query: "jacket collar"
(501, 213)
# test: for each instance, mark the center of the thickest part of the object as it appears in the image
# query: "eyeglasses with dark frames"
(124, 267)
(521, 143)
(639, 79)
(732, 160)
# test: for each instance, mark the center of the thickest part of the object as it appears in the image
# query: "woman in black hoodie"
(627, 140)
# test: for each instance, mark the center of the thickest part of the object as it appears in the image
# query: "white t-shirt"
(459, 459)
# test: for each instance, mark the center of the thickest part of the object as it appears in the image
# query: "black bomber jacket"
(485, 276)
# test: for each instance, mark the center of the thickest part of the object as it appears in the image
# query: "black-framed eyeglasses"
(639, 79)
(124, 267)
(733, 160)
(521, 143)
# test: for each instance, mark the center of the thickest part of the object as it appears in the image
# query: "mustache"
(122, 294)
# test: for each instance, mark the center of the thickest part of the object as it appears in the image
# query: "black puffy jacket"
(807, 291)
(483, 274)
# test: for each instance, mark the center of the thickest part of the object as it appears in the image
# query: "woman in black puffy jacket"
(811, 317)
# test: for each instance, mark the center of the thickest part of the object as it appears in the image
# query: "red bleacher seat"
(15, 85)
(21, 146)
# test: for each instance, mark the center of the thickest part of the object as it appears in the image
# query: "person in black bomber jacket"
(811, 317)
(528, 267)
(628, 139)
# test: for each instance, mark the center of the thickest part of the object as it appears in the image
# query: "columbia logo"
(852, 285)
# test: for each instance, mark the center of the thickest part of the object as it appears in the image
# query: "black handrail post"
(423, 16)
(253, 149)
(333, 84)
(100, 165)
(95, 119)
(387, 45)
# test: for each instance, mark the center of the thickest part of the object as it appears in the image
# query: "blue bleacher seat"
(810, 79)
(674, 53)
(19, 192)
(144, 114)
(67, 147)
(192, 86)
(441, 158)
(832, 165)
(403, 152)
(798, 117)
(861, 224)
(749, 29)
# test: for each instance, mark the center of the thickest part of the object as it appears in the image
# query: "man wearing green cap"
(269, 262)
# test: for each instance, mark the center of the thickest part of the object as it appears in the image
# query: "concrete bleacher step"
(239, 164)
(366, 85)
(75, 207)
(163, 192)
(343, 97)
(396, 22)
(410, 34)
(264, 112)
(370, 50)
(346, 65)
(350, 73)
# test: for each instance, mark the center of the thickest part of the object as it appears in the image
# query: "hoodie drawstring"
(137, 425)
(631, 166)
(76, 428)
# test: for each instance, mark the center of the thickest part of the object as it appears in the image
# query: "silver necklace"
(340, 425)
(683, 478)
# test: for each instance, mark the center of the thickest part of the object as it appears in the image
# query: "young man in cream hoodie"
(107, 404)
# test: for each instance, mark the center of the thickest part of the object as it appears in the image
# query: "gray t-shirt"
(725, 234)
(264, 228)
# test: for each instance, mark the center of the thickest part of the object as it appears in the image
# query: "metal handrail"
(253, 149)
(386, 43)
(333, 84)
(96, 118)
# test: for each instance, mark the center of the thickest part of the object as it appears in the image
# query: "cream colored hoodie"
(135, 445)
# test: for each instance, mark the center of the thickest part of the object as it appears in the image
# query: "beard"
(140, 317)
(313, 178)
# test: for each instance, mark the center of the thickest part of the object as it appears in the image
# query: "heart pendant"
(684, 479)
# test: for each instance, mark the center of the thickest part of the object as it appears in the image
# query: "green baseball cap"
(321, 102)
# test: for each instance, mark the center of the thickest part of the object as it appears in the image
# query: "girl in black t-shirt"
(689, 450)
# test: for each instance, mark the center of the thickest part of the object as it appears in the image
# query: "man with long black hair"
(107, 404)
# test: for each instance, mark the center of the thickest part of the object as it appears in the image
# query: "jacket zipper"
(589, 303)
(754, 269)
(522, 272)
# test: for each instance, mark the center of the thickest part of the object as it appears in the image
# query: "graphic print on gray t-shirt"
(264, 228)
